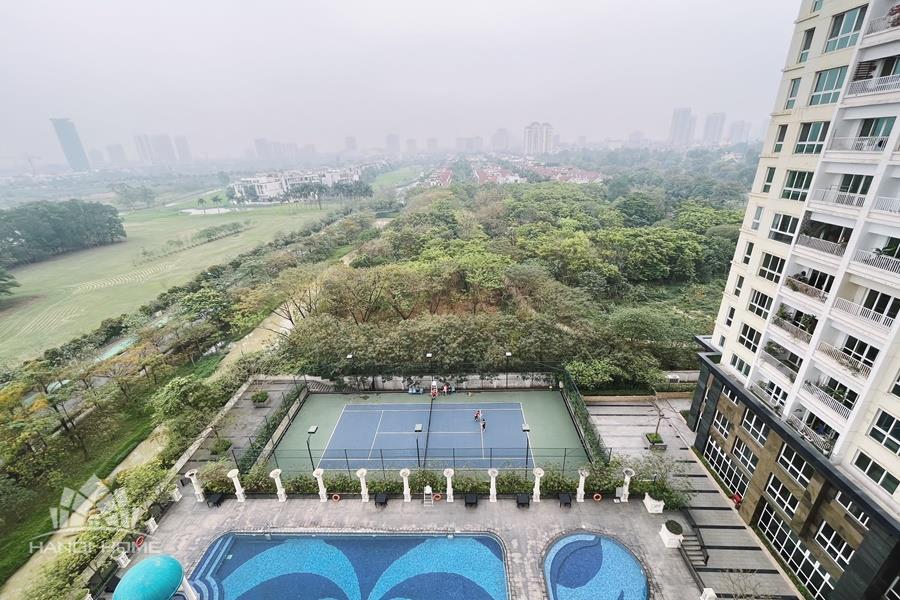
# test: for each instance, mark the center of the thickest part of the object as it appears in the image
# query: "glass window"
(779, 138)
(760, 304)
(781, 495)
(845, 28)
(805, 45)
(722, 425)
(816, 5)
(770, 176)
(877, 129)
(740, 365)
(783, 228)
(745, 455)
(754, 425)
(771, 267)
(836, 546)
(721, 341)
(749, 338)
(828, 86)
(811, 138)
(796, 185)
(886, 431)
(895, 389)
(855, 184)
(793, 88)
(738, 285)
(860, 350)
(893, 592)
(791, 549)
(853, 510)
(794, 464)
(729, 318)
(731, 396)
(734, 479)
(876, 472)
(757, 215)
(748, 253)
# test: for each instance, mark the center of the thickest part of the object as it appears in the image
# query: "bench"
(565, 500)
(215, 499)
(471, 500)
(523, 500)
(381, 499)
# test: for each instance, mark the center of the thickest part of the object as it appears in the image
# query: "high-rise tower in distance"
(70, 142)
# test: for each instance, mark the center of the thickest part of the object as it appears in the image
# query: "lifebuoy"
(436, 497)
(598, 497)
(139, 541)
(335, 497)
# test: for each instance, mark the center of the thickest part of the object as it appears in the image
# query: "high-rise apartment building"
(681, 132)
(116, 153)
(538, 139)
(500, 141)
(739, 132)
(71, 144)
(182, 149)
(798, 405)
(713, 129)
(142, 145)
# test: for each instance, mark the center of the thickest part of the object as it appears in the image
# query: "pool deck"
(189, 527)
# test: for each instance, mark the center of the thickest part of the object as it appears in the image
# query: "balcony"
(838, 198)
(876, 85)
(851, 365)
(819, 441)
(867, 314)
(821, 245)
(879, 261)
(832, 403)
(859, 144)
(784, 367)
(767, 398)
(804, 288)
(792, 329)
(887, 205)
(879, 24)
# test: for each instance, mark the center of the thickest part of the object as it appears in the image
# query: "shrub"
(674, 527)
(419, 479)
(555, 482)
(260, 397)
(511, 482)
(258, 480)
(654, 438)
(341, 484)
(214, 478)
(465, 484)
(221, 446)
(388, 486)
(301, 484)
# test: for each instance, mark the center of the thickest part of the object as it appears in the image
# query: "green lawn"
(62, 298)
(397, 178)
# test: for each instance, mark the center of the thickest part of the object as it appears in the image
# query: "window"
(853, 510)
(805, 45)
(734, 479)
(721, 341)
(828, 86)
(740, 365)
(882, 304)
(845, 29)
(753, 424)
(779, 138)
(782, 496)
(767, 183)
(895, 390)
(757, 215)
(886, 431)
(731, 396)
(893, 592)
(722, 424)
(760, 304)
(792, 550)
(873, 134)
(816, 5)
(855, 184)
(793, 88)
(836, 546)
(748, 253)
(860, 350)
(795, 466)
(776, 394)
(749, 338)
(729, 318)
(796, 185)
(876, 472)
(811, 138)
(771, 267)
(745, 455)
(783, 228)
(738, 285)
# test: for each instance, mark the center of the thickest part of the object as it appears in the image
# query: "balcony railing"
(855, 367)
(879, 24)
(782, 367)
(827, 399)
(792, 329)
(877, 85)
(821, 245)
(768, 399)
(859, 144)
(804, 288)
(885, 263)
(868, 314)
(838, 198)
(888, 205)
(821, 443)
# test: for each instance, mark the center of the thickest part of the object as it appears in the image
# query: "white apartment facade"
(806, 347)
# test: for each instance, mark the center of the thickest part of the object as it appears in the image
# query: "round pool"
(587, 566)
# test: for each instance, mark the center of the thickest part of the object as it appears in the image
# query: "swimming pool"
(586, 566)
(352, 567)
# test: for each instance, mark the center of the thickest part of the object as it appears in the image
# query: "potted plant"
(655, 440)
(672, 534)
(220, 446)
(259, 399)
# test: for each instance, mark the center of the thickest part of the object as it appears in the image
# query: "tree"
(201, 201)
(354, 293)
(593, 374)
(641, 208)
(7, 282)
(182, 394)
(482, 275)
(209, 303)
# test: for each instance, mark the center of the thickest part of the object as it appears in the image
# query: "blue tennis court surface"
(384, 435)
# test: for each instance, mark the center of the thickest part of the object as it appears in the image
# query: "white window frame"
(780, 136)
(760, 304)
(893, 592)
(767, 181)
(888, 437)
(745, 456)
(740, 365)
(729, 316)
(831, 82)
(731, 396)
(854, 511)
(757, 218)
(796, 185)
(766, 270)
(754, 425)
(749, 338)
(748, 253)
(734, 479)
(795, 465)
(781, 495)
(811, 138)
(721, 424)
(793, 90)
(806, 41)
(848, 32)
(834, 545)
(738, 285)
(886, 475)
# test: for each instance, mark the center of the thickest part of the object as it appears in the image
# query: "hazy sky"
(223, 72)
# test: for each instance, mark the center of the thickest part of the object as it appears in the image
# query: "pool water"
(352, 567)
(586, 566)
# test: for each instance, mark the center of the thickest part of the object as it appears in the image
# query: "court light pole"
(418, 455)
(525, 429)
(311, 432)
(508, 354)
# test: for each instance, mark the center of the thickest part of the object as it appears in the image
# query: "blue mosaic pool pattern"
(585, 566)
(352, 567)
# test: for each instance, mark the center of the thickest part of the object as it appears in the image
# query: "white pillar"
(629, 473)
(238, 488)
(176, 494)
(363, 488)
(188, 590)
(323, 494)
(279, 487)
(708, 594)
(198, 487)
(536, 494)
(407, 495)
(152, 525)
(448, 473)
(492, 473)
(122, 558)
(582, 475)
